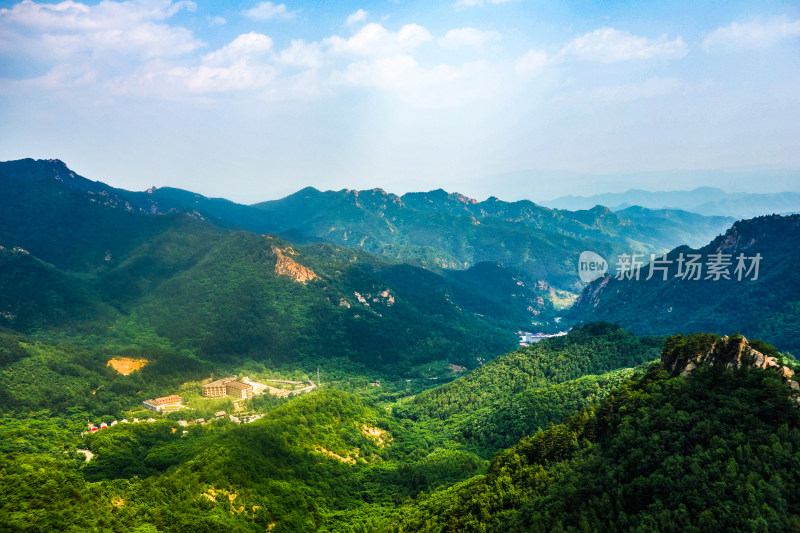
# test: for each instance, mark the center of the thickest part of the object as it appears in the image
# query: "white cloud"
(467, 37)
(375, 40)
(269, 11)
(355, 18)
(475, 3)
(531, 62)
(302, 54)
(386, 72)
(607, 45)
(246, 46)
(77, 32)
(751, 35)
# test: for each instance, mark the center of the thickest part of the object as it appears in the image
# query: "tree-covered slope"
(326, 461)
(57, 216)
(79, 256)
(259, 297)
(66, 220)
(524, 391)
(715, 451)
(593, 349)
(75, 380)
(767, 307)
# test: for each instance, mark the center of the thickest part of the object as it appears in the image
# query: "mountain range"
(397, 316)
(507, 264)
(703, 200)
(448, 230)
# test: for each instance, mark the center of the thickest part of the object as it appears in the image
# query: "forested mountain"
(767, 307)
(435, 230)
(79, 258)
(440, 229)
(645, 451)
(592, 349)
(524, 391)
(324, 461)
(713, 451)
(702, 200)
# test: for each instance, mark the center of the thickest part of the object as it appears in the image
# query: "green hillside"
(523, 391)
(766, 308)
(378, 344)
(711, 452)
(644, 453)
(234, 294)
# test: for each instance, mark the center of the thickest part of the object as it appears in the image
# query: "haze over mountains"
(703, 200)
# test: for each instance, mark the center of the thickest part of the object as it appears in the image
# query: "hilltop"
(646, 457)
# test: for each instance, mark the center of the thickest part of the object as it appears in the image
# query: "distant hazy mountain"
(703, 200)
(438, 229)
(767, 308)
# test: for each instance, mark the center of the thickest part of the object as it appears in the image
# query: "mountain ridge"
(701, 200)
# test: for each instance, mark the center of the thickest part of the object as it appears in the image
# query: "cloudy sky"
(253, 100)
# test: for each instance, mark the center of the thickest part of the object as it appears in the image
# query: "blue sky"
(521, 99)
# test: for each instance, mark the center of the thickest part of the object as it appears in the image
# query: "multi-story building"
(216, 389)
(239, 390)
(227, 387)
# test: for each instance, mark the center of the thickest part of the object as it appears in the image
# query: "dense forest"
(716, 451)
(390, 393)
(626, 450)
(525, 390)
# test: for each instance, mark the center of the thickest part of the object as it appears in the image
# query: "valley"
(205, 365)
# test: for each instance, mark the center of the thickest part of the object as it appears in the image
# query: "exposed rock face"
(729, 352)
(286, 266)
(591, 294)
(126, 365)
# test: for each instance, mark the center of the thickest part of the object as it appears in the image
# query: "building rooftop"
(239, 385)
(219, 382)
(164, 400)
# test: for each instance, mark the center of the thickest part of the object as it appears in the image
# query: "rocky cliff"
(728, 352)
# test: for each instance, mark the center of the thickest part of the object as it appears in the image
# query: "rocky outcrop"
(286, 266)
(728, 352)
(591, 295)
